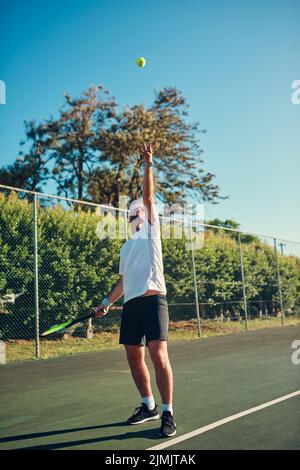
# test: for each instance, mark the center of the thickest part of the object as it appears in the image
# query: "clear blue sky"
(234, 61)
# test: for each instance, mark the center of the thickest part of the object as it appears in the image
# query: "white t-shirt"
(141, 263)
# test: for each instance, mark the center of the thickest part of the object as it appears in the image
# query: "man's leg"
(139, 369)
(164, 379)
(164, 376)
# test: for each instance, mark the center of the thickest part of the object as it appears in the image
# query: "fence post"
(2, 352)
(36, 280)
(195, 284)
(243, 281)
(279, 283)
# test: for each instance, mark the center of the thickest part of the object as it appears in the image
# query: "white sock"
(149, 401)
(167, 407)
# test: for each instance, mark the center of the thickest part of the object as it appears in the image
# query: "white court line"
(216, 424)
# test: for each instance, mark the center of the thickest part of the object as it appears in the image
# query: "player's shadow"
(145, 433)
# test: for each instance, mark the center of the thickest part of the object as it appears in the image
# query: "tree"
(230, 224)
(178, 162)
(91, 150)
(17, 175)
(73, 139)
(30, 170)
(63, 149)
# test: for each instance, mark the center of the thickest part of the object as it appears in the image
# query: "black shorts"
(144, 319)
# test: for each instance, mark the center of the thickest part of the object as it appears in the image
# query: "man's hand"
(107, 302)
(146, 152)
(101, 310)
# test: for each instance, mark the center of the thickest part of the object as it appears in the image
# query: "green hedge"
(76, 268)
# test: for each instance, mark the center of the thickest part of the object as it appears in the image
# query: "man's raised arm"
(146, 152)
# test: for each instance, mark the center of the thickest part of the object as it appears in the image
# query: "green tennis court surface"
(81, 402)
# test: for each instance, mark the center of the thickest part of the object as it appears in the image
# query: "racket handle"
(94, 315)
(104, 310)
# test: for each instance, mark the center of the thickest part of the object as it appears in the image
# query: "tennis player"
(145, 314)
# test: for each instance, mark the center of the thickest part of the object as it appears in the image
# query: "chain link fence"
(56, 265)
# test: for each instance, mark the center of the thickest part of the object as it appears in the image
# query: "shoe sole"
(167, 435)
(153, 418)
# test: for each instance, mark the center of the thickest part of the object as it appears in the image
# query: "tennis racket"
(66, 324)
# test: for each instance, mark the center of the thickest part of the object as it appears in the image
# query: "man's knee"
(159, 354)
(135, 354)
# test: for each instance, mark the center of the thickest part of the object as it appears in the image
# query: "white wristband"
(105, 302)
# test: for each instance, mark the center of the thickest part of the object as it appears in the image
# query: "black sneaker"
(168, 425)
(143, 414)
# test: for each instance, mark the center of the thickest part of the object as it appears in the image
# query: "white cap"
(135, 205)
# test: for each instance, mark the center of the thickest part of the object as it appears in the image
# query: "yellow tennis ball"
(140, 62)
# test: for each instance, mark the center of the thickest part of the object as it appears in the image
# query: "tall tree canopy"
(91, 150)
